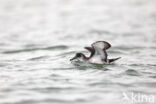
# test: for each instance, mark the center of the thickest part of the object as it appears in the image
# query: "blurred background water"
(38, 37)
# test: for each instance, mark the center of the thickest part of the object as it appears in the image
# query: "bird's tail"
(114, 59)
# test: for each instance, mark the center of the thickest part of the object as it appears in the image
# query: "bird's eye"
(78, 55)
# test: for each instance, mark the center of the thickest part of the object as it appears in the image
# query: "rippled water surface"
(38, 37)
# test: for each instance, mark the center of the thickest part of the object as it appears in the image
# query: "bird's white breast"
(96, 59)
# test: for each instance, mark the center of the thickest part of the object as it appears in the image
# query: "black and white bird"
(98, 54)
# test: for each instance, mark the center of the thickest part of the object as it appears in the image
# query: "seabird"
(98, 54)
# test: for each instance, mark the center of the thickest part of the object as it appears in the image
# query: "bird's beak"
(73, 58)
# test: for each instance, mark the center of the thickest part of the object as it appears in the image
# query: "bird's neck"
(84, 57)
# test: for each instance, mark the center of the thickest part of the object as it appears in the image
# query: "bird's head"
(78, 56)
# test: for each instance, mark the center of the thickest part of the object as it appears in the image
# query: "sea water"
(38, 38)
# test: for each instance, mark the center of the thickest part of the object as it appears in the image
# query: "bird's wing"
(101, 45)
(91, 50)
(100, 48)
